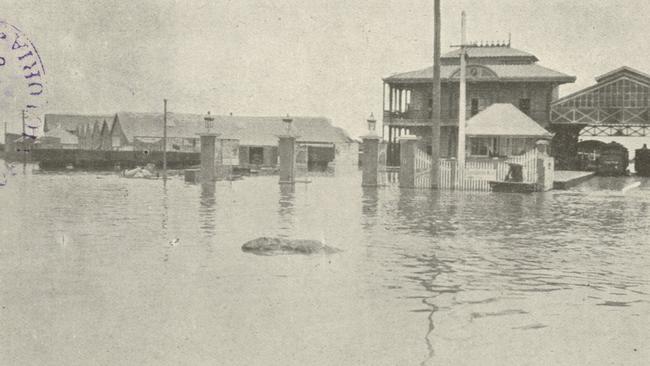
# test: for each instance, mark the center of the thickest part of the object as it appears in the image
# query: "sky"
(298, 57)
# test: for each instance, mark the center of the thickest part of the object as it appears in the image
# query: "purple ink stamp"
(22, 79)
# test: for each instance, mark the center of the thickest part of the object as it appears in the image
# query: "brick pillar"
(370, 162)
(287, 152)
(408, 145)
(208, 155)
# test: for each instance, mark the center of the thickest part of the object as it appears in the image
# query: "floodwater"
(101, 270)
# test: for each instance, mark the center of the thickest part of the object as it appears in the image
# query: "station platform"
(565, 179)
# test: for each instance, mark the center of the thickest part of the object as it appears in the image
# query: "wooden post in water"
(164, 140)
(435, 95)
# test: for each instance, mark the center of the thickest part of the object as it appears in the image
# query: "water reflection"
(428, 267)
(421, 213)
(370, 207)
(207, 209)
(286, 204)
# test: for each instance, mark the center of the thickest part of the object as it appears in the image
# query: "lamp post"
(372, 124)
(288, 122)
(209, 122)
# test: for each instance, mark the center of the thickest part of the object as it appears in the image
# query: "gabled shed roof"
(624, 71)
(252, 131)
(70, 122)
(65, 136)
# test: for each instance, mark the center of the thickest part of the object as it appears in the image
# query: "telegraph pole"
(24, 144)
(435, 95)
(164, 140)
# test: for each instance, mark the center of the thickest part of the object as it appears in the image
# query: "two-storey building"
(495, 74)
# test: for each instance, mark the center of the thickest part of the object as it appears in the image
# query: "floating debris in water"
(283, 246)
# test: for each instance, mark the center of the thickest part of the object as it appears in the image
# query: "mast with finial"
(462, 95)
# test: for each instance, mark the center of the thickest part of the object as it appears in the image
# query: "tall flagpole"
(435, 95)
(462, 104)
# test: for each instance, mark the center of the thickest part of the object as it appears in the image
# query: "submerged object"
(280, 246)
(146, 172)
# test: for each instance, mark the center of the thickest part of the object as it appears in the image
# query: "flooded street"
(98, 269)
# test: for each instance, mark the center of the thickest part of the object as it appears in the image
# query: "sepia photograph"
(324, 182)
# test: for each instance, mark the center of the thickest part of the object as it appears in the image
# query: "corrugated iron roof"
(65, 136)
(523, 72)
(70, 122)
(252, 131)
(504, 119)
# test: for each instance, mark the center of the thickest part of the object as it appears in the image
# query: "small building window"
(475, 107)
(524, 105)
(482, 146)
(256, 156)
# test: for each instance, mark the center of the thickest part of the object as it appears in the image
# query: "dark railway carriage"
(613, 160)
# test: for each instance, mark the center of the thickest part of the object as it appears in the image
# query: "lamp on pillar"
(209, 122)
(208, 150)
(287, 153)
(372, 124)
(288, 121)
(370, 157)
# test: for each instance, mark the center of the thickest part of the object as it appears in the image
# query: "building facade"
(495, 74)
(617, 105)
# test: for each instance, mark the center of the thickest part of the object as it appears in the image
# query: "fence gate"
(476, 174)
(423, 164)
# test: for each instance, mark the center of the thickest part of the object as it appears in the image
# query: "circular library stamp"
(22, 80)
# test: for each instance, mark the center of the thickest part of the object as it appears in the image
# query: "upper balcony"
(406, 119)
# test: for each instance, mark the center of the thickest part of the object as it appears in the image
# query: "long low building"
(320, 141)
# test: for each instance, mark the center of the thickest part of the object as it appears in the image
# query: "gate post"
(370, 160)
(407, 170)
(287, 152)
(545, 167)
(208, 155)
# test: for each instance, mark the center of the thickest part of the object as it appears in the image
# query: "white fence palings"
(477, 174)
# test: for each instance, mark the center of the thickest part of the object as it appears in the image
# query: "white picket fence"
(423, 164)
(477, 174)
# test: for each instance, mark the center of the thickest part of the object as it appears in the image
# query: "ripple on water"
(446, 276)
